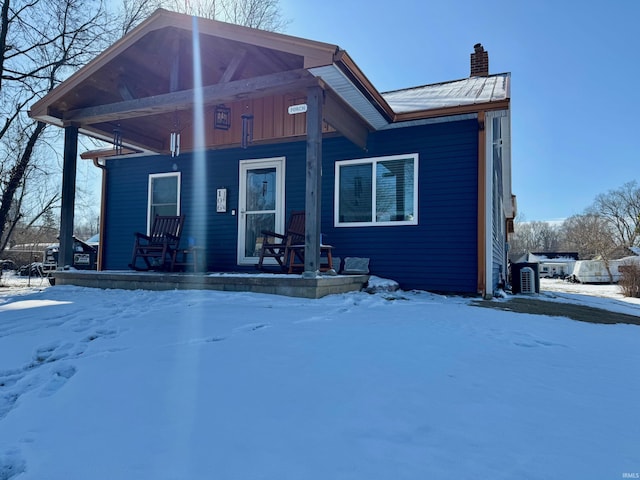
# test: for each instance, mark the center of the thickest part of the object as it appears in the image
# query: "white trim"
(153, 176)
(506, 165)
(488, 203)
(279, 163)
(373, 161)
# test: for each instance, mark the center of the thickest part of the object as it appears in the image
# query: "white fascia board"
(348, 92)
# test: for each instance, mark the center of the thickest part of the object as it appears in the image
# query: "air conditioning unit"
(527, 280)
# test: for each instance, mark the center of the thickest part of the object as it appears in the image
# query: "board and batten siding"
(438, 254)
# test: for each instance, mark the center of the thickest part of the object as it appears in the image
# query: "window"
(377, 191)
(164, 195)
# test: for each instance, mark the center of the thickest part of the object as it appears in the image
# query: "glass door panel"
(261, 205)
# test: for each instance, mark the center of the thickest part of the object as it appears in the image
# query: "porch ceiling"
(150, 73)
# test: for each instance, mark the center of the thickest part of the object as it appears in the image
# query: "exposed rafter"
(236, 64)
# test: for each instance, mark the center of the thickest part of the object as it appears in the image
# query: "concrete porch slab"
(276, 284)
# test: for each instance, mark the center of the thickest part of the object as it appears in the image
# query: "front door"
(261, 205)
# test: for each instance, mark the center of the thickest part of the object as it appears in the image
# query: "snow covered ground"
(409, 385)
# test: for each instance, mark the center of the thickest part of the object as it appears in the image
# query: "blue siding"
(439, 254)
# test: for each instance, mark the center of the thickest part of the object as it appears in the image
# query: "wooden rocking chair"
(288, 248)
(158, 250)
(276, 245)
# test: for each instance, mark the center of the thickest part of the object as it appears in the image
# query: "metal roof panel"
(468, 91)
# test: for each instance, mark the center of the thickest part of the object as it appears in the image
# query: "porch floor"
(277, 284)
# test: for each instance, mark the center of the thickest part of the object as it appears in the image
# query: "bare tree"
(546, 235)
(621, 209)
(41, 43)
(591, 236)
(261, 14)
(534, 236)
(132, 12)
(522, 240)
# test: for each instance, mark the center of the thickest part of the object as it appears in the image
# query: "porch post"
(313, 203)
(65, 253)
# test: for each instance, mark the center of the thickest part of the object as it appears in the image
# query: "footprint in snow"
(251, 327)
(51, 353)
(538, 343)
(197, 341)
(314, 319)
(60, 375)
(11, 464)
(101, 333)
(48, 369)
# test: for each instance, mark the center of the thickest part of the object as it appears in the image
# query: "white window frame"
(373, 161)
(152, 177)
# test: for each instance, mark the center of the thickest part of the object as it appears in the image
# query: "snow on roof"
(468, 91)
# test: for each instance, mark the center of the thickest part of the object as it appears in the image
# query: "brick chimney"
(479, 61)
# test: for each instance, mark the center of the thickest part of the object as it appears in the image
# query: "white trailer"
(595, 271)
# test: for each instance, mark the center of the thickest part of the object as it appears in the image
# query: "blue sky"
(575, 69)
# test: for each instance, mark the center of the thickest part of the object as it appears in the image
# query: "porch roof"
(149, 74)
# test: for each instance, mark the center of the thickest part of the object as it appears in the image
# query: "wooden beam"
(65, 252)
(183, 100)
(131, 136)
(125, 91)
(174, 73)
(236, 64)
(313, 203)
(340, 116)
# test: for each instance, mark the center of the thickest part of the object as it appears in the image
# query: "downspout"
(103, 197)
(482, 214)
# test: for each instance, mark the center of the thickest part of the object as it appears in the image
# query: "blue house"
(236, 128)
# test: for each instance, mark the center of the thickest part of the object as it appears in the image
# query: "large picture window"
(377, 191)
(164, 195)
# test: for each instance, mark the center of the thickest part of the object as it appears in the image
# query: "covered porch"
(254, 90)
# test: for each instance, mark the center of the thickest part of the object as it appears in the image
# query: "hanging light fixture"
(222, 117)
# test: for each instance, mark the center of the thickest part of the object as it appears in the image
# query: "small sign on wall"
(294, 109)
(221, 200)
